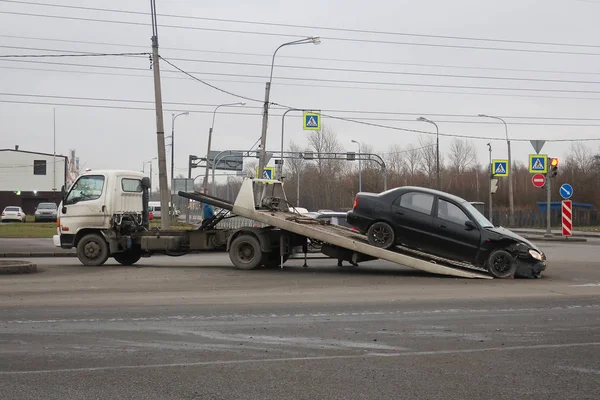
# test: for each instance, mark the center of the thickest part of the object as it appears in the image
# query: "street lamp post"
(359, 167)
(210, 131)
(511, 214)
(144, 167)
(265, 120)
(173, 117)
(437, 151)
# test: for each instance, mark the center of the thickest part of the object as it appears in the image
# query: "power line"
(345, 60)
(245, 32)
(354, 120)
(510, 89)
(208, 84)
(343, 111)
(369, 31)
(79, 54)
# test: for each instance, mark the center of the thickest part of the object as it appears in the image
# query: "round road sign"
(538, 180)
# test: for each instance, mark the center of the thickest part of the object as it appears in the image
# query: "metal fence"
(537, 218)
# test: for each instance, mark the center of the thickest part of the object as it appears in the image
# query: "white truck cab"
(99, 204)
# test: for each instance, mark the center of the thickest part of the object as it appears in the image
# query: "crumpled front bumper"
(529, 268)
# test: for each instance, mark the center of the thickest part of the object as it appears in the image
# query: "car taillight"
(3, 213)
(355, 202)
(18, 214)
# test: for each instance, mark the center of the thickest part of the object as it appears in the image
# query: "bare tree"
(427, 151)
(462, 155)
(412, 161)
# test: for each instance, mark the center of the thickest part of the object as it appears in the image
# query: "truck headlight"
(535, 255)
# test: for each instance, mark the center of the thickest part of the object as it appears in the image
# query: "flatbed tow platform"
(264, 201)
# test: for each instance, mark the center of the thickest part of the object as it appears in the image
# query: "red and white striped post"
(567, 218)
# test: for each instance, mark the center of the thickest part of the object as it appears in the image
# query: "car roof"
(427, 190)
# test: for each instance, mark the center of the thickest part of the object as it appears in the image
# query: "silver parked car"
(46, 212)
(13, 213)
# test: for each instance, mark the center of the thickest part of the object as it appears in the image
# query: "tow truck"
(105, 214)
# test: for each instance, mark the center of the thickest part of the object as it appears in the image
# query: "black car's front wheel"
(501, 264)
(381, 235)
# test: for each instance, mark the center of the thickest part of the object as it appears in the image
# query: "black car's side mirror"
(470, 225)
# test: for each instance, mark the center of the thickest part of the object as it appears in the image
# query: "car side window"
(451, 212)
(419, 202)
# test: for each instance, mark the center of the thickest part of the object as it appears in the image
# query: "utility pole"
(54, 155)
(165, 223)
(491, 179)
(548, 204)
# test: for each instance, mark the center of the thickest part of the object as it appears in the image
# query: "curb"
(17, 267)
(36, 255)
(591, 235)
(556, 239)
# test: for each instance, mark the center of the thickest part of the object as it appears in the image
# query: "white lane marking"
(582, 370)
(310, 342)
(236, 317)
(587, 285)
(315, 358)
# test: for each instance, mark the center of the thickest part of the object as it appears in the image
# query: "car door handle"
(443, 226)
(399, 213)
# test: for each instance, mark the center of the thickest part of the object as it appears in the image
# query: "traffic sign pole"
(548, 213)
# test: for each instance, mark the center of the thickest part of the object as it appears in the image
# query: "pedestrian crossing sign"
(268, 173)
(538, 163)
(312, 121)
(500, 167)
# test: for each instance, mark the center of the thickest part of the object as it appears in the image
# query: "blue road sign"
(566, 191)
(538, 163)
(500, 167)
(312, 121)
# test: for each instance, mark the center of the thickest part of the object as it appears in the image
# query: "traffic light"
(18, 192)
(553, 167)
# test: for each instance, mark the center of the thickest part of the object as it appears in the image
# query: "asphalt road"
(195, 328)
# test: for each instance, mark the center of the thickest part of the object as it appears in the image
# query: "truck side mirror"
(146, 182)
(63, 192)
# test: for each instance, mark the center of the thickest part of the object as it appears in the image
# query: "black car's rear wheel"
(501, 264)
(381, 235)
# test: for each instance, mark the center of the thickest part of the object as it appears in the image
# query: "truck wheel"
(245, 252)
(501, 264)
(128, 257)
(381, 235)
(92, 250)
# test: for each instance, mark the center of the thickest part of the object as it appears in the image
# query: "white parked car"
(13, 213)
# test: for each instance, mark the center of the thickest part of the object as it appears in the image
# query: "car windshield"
(46, 206)
(481, 220)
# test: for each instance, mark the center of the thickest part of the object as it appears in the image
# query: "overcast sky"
(105, 136)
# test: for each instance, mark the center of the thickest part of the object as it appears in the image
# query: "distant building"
(28, 178)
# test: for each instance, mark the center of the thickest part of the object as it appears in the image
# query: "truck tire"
(92, 250)
(381, 235)
(245, 252)
(501, 264)
(128, 257)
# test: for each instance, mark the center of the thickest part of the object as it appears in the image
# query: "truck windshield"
(85, 189)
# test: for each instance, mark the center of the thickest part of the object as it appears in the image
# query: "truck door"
(85, 204)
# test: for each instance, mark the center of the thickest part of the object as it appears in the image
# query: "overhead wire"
(378, 62)
(288, 25)
(272, 34)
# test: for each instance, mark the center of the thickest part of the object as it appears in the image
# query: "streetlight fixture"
(510, 180)
(437, 150)
(265, 120)
(173, 117)
(359, 166)
(210, 131)
(144, 166)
